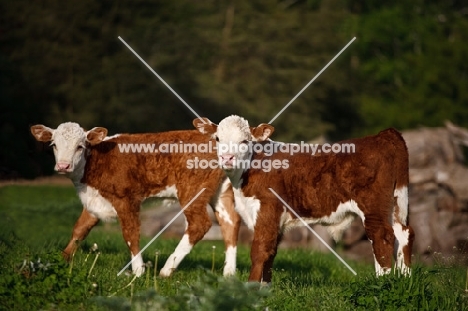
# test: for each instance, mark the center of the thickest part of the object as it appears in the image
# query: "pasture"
(36, 223)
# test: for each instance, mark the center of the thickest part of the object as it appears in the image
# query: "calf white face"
(69, 142)
(234, 136)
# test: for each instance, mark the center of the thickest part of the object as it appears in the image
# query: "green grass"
(36, 223)
(39, 214)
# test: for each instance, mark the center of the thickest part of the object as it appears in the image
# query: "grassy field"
(36, 223)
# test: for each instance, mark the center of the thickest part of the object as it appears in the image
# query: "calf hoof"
(66, 256)
(166, 272)
(139, 271)
(229, 270)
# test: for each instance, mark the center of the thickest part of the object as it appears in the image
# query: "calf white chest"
(95, 203)
(247, 207)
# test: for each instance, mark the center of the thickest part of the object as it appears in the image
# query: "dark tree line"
(62, 61)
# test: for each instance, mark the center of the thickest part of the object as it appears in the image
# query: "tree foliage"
(412, 64)
(62, 61)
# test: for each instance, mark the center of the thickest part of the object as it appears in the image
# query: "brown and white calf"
(113, 183)
(326, 188)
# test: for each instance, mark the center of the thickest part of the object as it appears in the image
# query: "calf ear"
(205, 126)
(96, 135)
(262, 132)
(42, 133)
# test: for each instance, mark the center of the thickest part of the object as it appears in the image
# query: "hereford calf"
(113, 183)
(326, 188)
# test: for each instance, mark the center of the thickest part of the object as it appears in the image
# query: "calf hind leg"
(198, 224)
(229, 222)
(403, 246)
(403, 232)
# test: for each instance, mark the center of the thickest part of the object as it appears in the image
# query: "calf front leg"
(82, 227)
(268, 266)
(382, 238)
(130, 224)
(263, 252)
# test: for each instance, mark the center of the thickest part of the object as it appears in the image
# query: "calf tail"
(402, 179)
(401, 167)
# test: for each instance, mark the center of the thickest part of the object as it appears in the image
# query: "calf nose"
(61, 166)
(227, 157)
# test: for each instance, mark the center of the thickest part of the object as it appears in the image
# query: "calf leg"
(82, 227)
(229, 222)
(268, 266)
(262, 253)
(130, 224)
(403, 246)
(403, 232)
(382, 238)
(198, 224)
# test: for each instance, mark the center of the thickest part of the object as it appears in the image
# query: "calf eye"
(217, 138)
(80, 147)
(53, 145)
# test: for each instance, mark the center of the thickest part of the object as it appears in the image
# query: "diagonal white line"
(316, 76)
(162, 80)
(313, 231)
(161, 231)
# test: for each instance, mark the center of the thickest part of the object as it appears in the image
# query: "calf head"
(69, 142)
(234, 137)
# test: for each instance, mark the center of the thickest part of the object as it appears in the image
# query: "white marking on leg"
(183, 248)
(402, 239)
(162, 230)
(230, 263)
(138, 266)
(379, 271)
(223, 214)
(219, 205)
